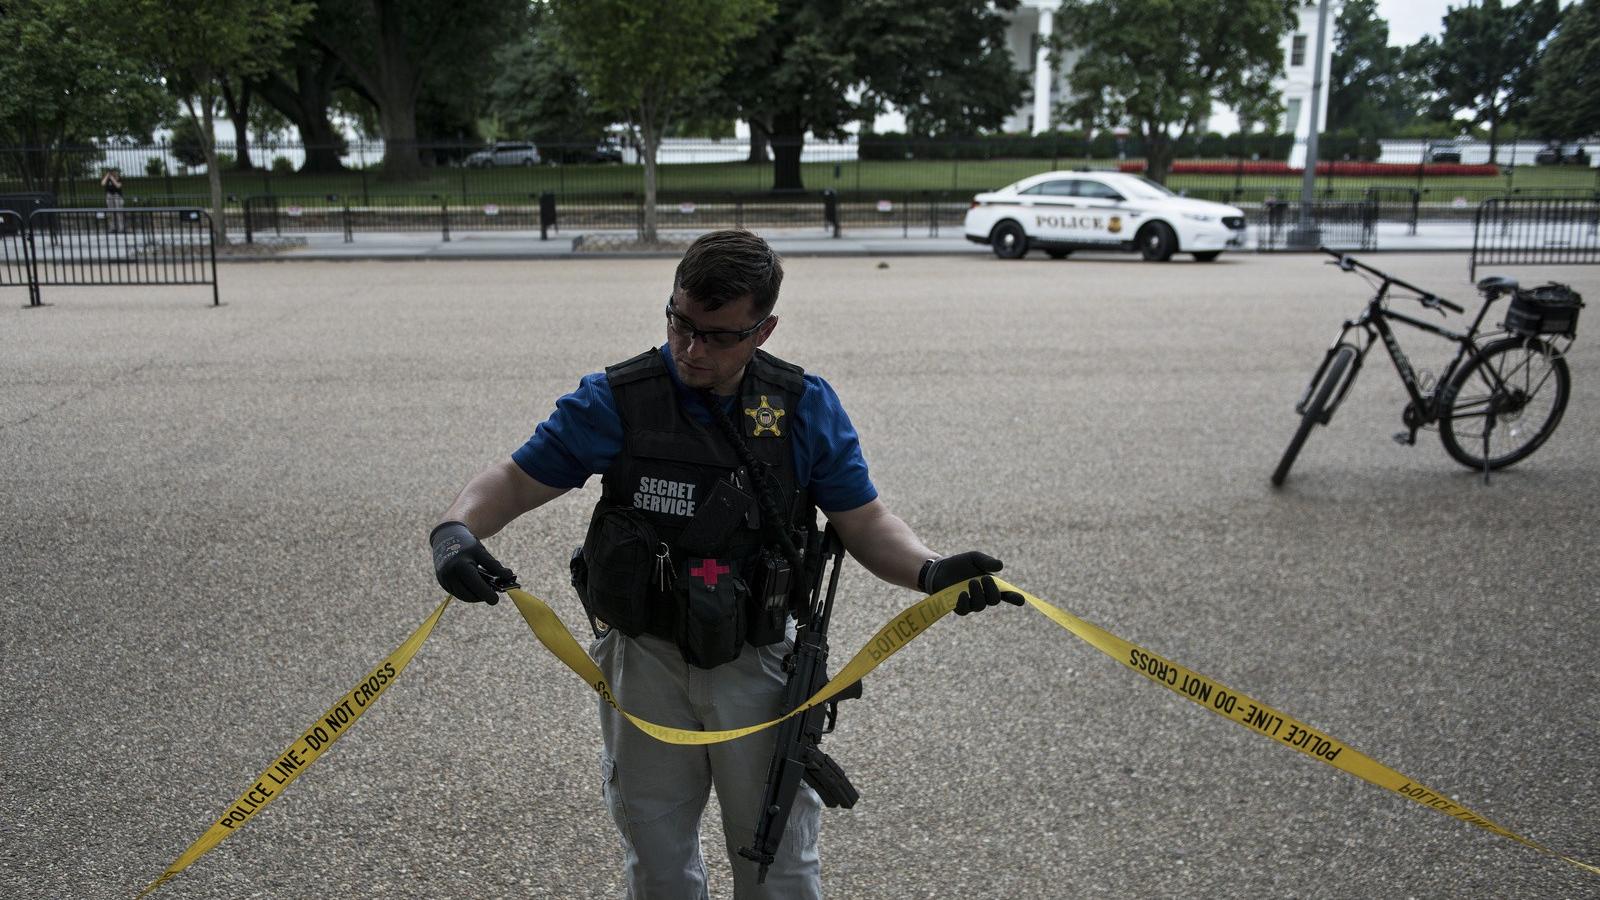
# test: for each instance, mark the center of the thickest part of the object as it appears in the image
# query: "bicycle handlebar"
(1429, 299)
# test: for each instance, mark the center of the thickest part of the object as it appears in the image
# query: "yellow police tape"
(889, 640)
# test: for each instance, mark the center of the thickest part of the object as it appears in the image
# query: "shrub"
(282, 166)
(1340, 168)
(155, 167)
(1076, 145)
(186, 147)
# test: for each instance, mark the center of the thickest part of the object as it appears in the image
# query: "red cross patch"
(708, 570)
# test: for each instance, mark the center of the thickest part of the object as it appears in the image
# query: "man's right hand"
(981, 593)
(461, 563)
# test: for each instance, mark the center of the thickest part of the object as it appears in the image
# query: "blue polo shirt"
(584, 435)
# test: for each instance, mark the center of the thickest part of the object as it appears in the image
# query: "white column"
(1043, 77)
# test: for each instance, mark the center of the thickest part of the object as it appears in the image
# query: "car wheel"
(1207, 256)
(1009, 240)
(1058, 254)
(529, 162)
(1157, 242)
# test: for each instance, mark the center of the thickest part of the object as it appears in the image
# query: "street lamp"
(1306, 235)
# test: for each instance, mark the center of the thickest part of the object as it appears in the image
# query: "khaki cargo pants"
(658, 791)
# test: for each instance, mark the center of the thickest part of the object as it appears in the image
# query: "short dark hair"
(722, 267)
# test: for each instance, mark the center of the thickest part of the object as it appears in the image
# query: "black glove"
(464, 566)
(981, 592)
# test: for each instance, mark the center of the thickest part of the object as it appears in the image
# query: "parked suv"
(1554, 154)
(1444, 153)
(504, 153)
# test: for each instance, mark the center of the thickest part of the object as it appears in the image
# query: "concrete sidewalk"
(791, 242)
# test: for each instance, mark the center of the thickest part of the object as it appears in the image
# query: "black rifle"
(798, 754)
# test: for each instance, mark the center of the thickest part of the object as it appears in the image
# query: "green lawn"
(457, 185)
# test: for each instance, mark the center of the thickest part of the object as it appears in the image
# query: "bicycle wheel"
(1504, 404)
(1321, 395)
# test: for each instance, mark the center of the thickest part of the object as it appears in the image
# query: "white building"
(1029, 41)
(1035, 21)
(1296, 82)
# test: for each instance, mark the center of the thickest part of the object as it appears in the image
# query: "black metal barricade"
(1340, 224)
(134, 247)
(14, 268)
(1544, 231)
(23, 204)
(1398, 204)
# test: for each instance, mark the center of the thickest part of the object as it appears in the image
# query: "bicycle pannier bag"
(1547, 309)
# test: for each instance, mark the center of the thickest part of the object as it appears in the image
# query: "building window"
(1033, 52)
(1297, 51)
(1291, 117)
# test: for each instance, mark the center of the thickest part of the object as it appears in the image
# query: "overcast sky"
(1409, 20)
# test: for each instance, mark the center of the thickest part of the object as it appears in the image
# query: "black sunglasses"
(686, 329)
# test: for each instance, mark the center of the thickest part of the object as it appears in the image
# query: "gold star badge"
(766, 418)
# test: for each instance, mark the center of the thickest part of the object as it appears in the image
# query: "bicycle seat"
(1496, 285)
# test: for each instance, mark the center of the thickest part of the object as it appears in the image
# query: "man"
(111, 180)
(690, 554)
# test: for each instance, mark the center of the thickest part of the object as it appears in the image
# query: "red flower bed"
(1273, 167)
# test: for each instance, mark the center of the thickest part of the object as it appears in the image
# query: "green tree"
(652, 62)
(187, 144)
(66, 77)
(1566, 89)
(536, 94)
(1485, 59)
(1373, 88)
(197, 44)
(1157, 65)
(396, 50)
(943, 62)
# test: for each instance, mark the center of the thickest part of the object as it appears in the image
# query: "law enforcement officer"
(712, 453)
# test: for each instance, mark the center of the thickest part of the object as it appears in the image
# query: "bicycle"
(1496, 403)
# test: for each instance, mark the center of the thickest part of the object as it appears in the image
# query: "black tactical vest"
(679, 485)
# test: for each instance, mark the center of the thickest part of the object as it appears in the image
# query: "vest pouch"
(769, 602)
(716, 519)
(711, 613)
(619, 553)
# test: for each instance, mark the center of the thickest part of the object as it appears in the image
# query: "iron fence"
(1546, 231)
(910, 212)
(89, 247)
(1242, 171)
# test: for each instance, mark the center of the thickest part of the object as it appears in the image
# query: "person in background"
(111, 180)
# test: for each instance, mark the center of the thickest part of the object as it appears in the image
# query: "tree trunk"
(392, 82)
(324, 146)
(238, 109)
(1158, 153)
(649, 143)
(1494, 143)
(788, 139)
(306, 102)
(759, 140)
(397, 96)
(208, 143)
(398, 118)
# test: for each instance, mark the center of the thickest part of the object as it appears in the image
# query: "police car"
(1059, 212)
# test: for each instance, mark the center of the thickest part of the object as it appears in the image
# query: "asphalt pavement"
(216, 519)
